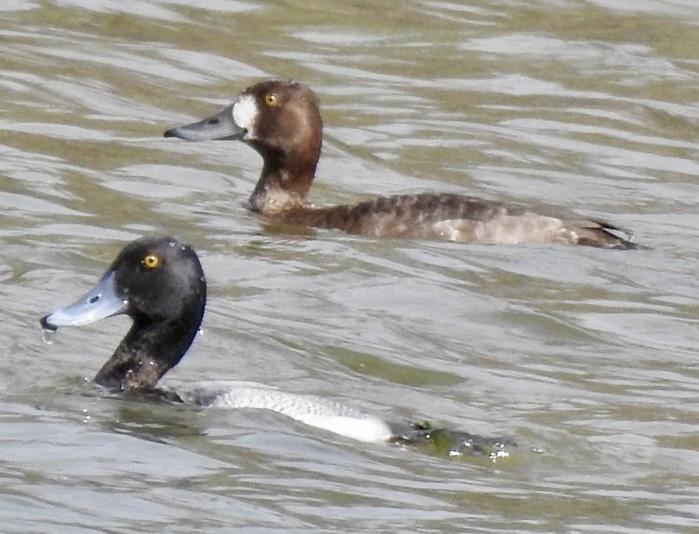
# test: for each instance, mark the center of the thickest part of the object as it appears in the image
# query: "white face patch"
(245, 114)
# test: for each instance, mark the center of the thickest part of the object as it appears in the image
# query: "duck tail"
(448, 442)
(604, 235)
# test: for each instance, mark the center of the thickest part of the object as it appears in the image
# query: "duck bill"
(100, 302)
(220, 126)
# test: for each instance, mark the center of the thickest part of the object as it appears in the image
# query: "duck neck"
(284, 182)
(149, 350)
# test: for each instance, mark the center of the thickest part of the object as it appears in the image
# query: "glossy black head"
(160, 284)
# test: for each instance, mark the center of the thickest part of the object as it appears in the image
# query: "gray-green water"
(589, 355)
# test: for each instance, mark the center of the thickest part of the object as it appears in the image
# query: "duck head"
(160, 284)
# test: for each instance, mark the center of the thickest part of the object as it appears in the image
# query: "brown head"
(281, 121)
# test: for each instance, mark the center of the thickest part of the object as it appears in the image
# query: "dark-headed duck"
(281, 121)
(160, 284)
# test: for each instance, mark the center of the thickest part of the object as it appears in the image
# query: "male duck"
(160, 284)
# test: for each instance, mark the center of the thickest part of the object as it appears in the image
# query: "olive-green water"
(589, 356)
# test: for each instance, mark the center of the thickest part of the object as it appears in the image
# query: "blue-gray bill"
(219, 126)
(100, 302)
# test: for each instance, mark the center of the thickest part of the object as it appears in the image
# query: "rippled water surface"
(587, 355)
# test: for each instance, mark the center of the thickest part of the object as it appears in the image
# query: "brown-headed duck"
(281, 121)
(160, 284)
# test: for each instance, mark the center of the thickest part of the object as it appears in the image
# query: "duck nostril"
(94, 299)
(212, 122)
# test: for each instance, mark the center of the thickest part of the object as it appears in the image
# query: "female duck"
(281, 121)
(160, 284)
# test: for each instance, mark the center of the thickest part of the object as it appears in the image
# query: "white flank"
(313, 411)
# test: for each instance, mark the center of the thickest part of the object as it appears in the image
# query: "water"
(587, 355)
(48, 335)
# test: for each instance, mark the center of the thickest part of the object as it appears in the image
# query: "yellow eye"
(151, 261)
(271, 99)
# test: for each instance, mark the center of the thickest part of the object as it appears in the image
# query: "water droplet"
(48, 335)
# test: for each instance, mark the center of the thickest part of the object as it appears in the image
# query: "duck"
(160, 284)
(281, 120)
